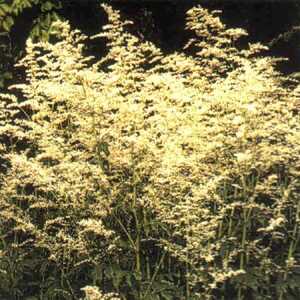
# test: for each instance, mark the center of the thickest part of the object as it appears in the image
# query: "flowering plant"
(151, 176)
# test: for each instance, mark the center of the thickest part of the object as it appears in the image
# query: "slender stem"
(187, 286)
(126, 232)
(154, 275)
(187, 269)
(138, 235)
(242, 256)
(292, 246)
(146, 229)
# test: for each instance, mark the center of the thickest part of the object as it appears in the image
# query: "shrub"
(150, 176)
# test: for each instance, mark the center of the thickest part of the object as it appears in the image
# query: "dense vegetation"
(275, 23)
(145, 175)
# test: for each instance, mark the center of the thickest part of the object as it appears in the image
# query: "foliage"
(150, 176)
(6, 58)
(9, 11)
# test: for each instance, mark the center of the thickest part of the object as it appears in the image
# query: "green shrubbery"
(144, 176)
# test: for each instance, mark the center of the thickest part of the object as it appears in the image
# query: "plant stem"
(154, 274)
(292, 247)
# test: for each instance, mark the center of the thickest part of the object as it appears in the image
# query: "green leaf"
(2, 12)
(167, 295)
(103, 147)
(128, 278)
(2, 83)
(35, 32)
(7, 75)
(8, 23)
(6, 8)
(46, 6)
(18, 7)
